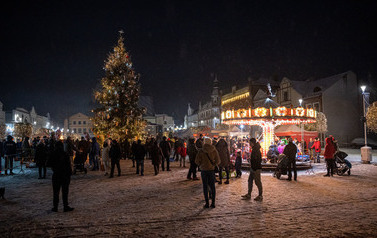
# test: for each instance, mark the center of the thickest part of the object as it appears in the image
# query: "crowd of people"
(205, 155)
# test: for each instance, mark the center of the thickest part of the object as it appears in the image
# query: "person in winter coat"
(133, 146)
(10, 150)
(41, 159)
(207, 158)
(192, 151)
(140, 153)
(183, 154)
(94, 154)
(290, 151)
(156, 154)
(61, 177)
(166, 148)
(317, 149)
(199, 142)
(238, 164)
(115, 156)
(69, 147)
(329, 156)
(272, 153)
(106, 157)
(281, 147)
(223, 150)
(255, 170)
(310, 149)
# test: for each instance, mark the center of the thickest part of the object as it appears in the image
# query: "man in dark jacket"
(61, 177)
(140, 153)
(10, 150)
(94, 154)
(255, 170)
(192, 151)
(166, 148)
(290, 151)
(115, 156)
(41, 159)
(199, 142)
(69, 147)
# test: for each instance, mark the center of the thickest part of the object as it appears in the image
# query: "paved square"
(168, 205)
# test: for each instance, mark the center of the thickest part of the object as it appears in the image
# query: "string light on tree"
(118, 115)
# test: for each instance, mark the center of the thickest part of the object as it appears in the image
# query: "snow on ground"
(168, 205)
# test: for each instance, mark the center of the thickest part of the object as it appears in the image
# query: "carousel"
(269, 116)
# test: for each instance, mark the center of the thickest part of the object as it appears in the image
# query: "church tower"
(215, 96)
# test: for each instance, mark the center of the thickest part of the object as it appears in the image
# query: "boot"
(207, 204)
(68, 209)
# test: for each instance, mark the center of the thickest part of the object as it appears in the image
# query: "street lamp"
(366, 151)
(301, 127)
(300, 101)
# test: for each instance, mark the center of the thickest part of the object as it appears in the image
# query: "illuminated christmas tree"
(118, 115)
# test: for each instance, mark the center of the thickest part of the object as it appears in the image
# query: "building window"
(84, 122)
(316, 106)
(79, 130)
(74, 122)
(79, 122)
(317, 89)
(309, 105)
(74, 130)
(84, 130)
(285, 96)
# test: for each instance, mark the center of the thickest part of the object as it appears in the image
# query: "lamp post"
(302, 129)
(366, 151)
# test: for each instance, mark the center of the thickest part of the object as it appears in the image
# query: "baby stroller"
(281, 168)
(79, 163)
(342, 165)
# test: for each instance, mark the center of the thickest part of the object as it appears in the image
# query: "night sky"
(53, 52)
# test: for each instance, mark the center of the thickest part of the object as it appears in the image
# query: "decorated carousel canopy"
(268, 117)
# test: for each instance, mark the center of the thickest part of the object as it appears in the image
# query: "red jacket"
(317, 146)
(329, 149)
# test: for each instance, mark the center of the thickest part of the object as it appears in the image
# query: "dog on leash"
(2, 191)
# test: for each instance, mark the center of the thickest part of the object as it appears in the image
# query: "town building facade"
(2, 114)
(207, 114)
(79, 124)
(21, 115)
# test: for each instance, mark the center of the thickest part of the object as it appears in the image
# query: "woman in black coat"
(192, 151)
(156, 155)
(61, 177)
(41, 158)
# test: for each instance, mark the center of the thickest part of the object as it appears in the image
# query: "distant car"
(360, 142)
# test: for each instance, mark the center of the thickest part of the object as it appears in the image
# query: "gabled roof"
(78, 115)
(326, 83)
(306, 88)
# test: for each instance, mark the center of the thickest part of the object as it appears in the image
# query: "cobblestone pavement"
(168, 205)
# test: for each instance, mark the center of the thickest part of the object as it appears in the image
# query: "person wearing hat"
(10, 151)
(255, 170)
(207, 159)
